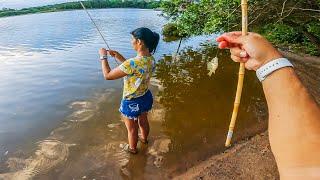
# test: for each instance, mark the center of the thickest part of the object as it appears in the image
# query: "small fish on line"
(212, 66)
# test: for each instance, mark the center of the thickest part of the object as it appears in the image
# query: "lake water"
(59, 119)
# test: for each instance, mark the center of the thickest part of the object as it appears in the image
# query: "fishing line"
(96, 26)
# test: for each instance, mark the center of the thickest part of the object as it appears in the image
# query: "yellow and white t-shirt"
(139, 70)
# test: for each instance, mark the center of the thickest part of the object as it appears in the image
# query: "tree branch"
(313, 10)
(283, 5)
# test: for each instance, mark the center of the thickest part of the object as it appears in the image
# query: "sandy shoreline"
(252, 158)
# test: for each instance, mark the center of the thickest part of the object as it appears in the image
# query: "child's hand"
(113, 53)
(103, 52)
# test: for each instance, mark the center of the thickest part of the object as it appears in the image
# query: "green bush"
(291, 23)
(280, 33)
(170, 32)
(170, 29)
(289, 38)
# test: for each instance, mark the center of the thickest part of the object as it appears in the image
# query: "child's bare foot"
(129, 150)
(143, 141)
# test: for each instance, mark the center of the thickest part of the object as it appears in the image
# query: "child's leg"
(144, 125)
(132, 128)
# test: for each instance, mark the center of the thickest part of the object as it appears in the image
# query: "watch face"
(104, 57)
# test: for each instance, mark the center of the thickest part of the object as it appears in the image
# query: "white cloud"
(18, 4)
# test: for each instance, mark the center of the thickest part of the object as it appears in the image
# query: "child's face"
(134, 43)
(137, 44)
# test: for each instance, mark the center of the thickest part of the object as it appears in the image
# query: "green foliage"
(281, 33)
(309, 48)
(170, 32)
(76, 5)
(314, 28)
(203, 17)
(192, 21)
(290, 21)
(289, 38)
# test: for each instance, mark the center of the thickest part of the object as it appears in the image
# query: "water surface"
(59, 118)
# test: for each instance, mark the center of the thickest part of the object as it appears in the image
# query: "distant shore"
(6, 12)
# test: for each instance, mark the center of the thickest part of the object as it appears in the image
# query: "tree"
(76, 5)
(300, 17)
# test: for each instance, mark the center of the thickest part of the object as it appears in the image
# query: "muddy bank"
(248, 159)
(252, 158)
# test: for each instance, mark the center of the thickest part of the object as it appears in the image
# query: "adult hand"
(103, 52)
(252, 49)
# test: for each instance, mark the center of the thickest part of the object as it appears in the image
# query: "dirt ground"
(248, 159)
(252, 158)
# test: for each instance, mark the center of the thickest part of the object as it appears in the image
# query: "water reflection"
(198, 107)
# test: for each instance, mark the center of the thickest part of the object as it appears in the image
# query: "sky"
(18, 4)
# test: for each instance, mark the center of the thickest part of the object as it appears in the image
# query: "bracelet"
(264, 71)
(104, 57)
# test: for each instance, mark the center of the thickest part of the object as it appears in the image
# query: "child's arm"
(109, 74)
(117, 55)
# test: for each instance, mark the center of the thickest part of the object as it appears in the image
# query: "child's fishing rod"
(96, 26)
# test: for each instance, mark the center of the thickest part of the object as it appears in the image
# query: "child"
(137, 98)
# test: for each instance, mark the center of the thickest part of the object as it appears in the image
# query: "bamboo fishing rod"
(96, 26)
(244, 10)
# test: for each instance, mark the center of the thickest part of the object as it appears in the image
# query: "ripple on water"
(49, 154)
(53, 151)
(113, 125)
(82, 111)
(116, 154)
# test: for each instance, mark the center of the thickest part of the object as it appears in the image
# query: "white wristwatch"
(104, 57)
(272, 66)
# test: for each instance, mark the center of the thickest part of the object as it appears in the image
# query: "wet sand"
(252, 158)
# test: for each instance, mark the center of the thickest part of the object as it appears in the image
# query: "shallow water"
(55, 101)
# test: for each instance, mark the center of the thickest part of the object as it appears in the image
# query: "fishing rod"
(96, 26)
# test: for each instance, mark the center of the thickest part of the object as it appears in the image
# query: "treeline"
(293, 25)
(96, 4)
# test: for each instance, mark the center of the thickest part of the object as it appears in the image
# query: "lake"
(59, 118)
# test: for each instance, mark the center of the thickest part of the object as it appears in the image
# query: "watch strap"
(104, 57)
(272, 66)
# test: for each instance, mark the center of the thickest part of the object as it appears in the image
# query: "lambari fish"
(212, 65)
